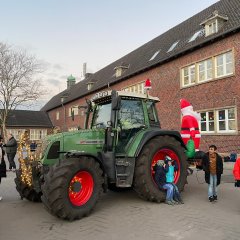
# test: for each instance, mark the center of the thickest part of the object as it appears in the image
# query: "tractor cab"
(123, 115)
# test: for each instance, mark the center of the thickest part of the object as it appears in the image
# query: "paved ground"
(125, 216)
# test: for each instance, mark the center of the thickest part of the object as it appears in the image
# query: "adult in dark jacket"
(2, 162)
(11, 150)
(213, 168)
(160, 179)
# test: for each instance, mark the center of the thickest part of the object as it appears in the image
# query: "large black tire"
(58, 182)
(25, 191)
(144, 183)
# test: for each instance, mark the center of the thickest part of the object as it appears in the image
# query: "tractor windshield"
(101, 116)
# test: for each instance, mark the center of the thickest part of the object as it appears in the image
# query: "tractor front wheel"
(26, 191)
(72, 188)
(157, 149)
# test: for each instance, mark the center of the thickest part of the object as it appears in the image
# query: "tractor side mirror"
(115, 100)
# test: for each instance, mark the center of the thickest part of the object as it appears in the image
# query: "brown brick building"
(198, 59)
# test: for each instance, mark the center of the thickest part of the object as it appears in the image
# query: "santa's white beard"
(190, 112)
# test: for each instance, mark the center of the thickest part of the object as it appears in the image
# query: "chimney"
(84, 69)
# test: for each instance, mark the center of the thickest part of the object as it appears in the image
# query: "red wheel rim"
(80, 188)
(160, 155)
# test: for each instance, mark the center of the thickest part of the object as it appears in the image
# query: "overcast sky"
(66, 33)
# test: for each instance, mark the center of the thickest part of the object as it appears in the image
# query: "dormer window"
(214, 23)
(119, 70)
(90, 85)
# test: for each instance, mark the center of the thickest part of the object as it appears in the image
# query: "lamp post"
(64, 112)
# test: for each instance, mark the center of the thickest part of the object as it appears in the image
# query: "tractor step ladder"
(124, 171)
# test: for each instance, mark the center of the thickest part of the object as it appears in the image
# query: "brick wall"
(166, 85)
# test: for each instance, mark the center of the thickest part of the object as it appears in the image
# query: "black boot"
(211, 199)
(215, 198)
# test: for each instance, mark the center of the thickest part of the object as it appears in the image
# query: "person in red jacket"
(189, 126)
(236, 172)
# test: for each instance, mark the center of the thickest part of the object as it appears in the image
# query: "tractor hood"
(57, 145)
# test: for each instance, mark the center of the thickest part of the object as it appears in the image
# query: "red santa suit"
(190, 127)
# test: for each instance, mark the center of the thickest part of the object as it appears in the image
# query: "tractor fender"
(76, 154)
(154, 133)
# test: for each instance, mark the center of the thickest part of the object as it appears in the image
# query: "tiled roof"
(139, 59)
(25, 118)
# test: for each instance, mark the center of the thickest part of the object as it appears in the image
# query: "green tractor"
(118, 148)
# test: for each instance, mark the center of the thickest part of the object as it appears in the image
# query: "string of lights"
(25, 158)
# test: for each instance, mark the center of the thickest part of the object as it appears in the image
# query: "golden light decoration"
(25, 158)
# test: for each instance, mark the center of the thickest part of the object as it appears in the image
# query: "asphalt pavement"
(122, 215)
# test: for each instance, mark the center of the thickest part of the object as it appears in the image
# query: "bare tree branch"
(18, 85)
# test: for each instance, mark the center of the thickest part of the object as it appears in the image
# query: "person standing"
(11, 150)
(236, 172)
(2, 163)
(213, 168)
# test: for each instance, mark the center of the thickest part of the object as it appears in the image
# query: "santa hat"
(184, 103)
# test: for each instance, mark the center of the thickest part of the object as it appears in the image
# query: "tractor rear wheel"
(156, 149)
(72, 188)
(24, 190)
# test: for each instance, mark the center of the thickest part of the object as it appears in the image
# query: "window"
(16, 133)
(205, 70)
(152, 115)
(73, 111)
(189, 75)
(173, 46)
(154, 55)
(211, 28)
(224, 64)
(195, 35)
(57, 115)
(131, 114)
(207, 121)
(102, 115)
(224, 122)
(137, 88)
(38, 134)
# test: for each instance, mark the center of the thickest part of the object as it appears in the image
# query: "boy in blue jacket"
(170, 169)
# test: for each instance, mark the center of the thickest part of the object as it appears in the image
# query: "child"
(160, 179)
(170, 169)
(213, 168)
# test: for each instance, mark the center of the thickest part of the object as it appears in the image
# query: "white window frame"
(57, 115)
(227, 65)
(226, 120)
(137, 88)
(212, 27)
(207, 121)
(224, 64)
(16, 132)
(205, 70)
(37, 134)
(216, 121)
(189, 75)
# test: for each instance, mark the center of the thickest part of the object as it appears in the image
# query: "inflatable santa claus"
(189, 127)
